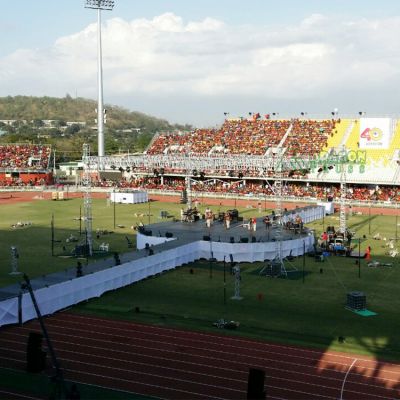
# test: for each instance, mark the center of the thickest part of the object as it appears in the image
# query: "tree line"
(67, 123)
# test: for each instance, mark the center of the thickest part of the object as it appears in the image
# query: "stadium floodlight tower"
(100, 5)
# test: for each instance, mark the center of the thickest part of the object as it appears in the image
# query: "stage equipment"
(277, 221)
(236, 272)
(61, 388)
(14, 261)
(255, 384)
(356, 301)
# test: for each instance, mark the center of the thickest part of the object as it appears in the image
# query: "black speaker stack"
(356, 301)
(35, 356)
(81, 250)
(184, 197)
(255, 384)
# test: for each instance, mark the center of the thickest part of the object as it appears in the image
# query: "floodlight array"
(100, 4)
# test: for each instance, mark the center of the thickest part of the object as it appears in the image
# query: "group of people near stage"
(338, 242)
(193, 214)
(295, 224)
(190, 215)
(251, 224)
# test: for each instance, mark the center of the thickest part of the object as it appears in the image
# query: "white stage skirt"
(65, 294)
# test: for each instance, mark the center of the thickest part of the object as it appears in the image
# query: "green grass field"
(34, 241)
(41, 386)
(309, 312)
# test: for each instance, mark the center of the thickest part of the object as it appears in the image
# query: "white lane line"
(344, 381)
(18, 394)
(244, 342)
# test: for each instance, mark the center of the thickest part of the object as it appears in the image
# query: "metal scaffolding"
(278, 162)
(343, 193)
(184, 163)
(187, 163)
(87, 200)
(236, 271)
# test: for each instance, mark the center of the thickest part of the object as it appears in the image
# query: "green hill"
(79, 109)
(125, 131)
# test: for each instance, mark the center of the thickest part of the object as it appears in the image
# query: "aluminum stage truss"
(186, 164)
(273, 167)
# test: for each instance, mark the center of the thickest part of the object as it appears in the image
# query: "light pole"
(369, 219)
(304, 258)
(265, 201)
(114, 207)
(224, 282)
(52, 234)
(100, 5)
(80, 220)
(359, 257)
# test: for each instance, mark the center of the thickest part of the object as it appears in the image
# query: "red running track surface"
(177, 364)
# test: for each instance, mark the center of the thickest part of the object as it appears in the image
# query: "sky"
(191, 61)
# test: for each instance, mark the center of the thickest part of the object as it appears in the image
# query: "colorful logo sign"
(374, 134)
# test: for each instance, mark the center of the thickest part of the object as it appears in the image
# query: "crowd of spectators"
(253, 136)
(308, 137)
(24, 156)
(169, 142)
(20, 183)
(237, 136)
(304, 190)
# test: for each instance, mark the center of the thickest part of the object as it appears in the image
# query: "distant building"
(70, 168)
(47, 123)
(80, 123)
(11, 122)
(129, 130)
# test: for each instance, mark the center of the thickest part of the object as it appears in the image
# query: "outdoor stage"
(217, 242)
(237, 235)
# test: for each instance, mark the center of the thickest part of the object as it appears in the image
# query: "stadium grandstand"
(25, 165)
(371, 170)
(371, 145)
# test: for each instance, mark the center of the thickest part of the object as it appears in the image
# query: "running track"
(16, 197)
(177, 364)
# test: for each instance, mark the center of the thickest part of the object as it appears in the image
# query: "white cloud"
(166, 57)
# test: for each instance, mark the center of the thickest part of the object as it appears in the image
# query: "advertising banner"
(375, 133)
